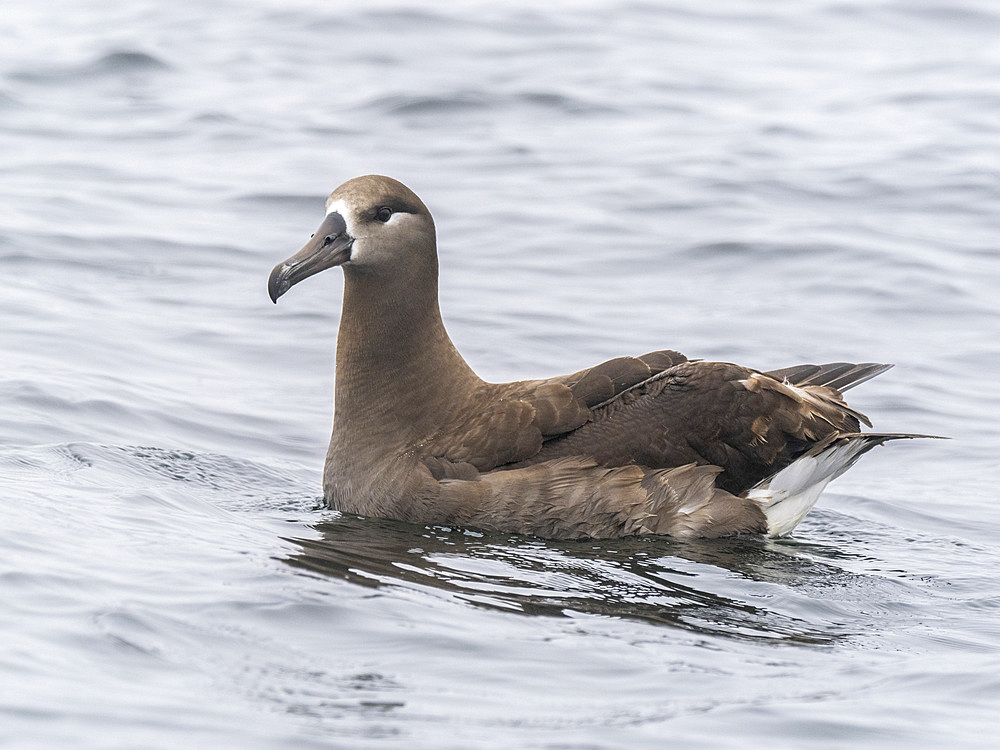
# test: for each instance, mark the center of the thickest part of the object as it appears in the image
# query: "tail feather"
(787, 496)
(839, 375)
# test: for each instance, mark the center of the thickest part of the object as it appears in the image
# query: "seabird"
(655, 444)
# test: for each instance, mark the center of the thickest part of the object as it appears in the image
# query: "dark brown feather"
(708, 413)
(838, 375)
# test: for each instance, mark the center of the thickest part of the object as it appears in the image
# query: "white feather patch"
(337, 205)
(788, 496)
(341, 207)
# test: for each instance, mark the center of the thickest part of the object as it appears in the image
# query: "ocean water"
(748, 181)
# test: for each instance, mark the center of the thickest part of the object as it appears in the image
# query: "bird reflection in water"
(701, 586)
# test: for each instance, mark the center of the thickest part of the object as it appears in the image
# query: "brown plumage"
(656, 444)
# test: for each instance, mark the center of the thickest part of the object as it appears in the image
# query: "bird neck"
(397, 368)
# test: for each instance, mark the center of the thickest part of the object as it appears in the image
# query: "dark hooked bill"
(329, 247)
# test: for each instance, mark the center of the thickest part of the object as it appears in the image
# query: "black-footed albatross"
(656, 444)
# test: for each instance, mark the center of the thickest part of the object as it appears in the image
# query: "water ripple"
(118, 64)
(653, 581)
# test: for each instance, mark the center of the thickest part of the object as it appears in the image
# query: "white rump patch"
(788, 496)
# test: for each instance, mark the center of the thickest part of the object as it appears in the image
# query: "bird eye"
(383, 214)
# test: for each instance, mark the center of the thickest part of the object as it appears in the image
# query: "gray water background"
(766, 183)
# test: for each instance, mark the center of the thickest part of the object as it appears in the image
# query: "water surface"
(767, 185)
